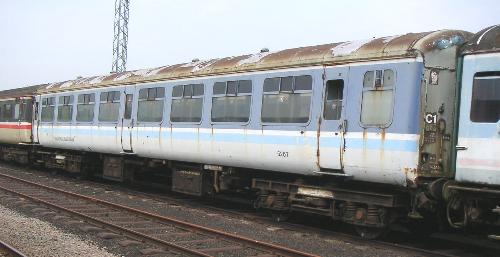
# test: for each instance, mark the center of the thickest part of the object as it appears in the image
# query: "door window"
(485, 103)
(333, 99)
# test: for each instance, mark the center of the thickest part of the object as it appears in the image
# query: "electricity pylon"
(120, 38)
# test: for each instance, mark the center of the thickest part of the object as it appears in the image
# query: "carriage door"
(478, 146)
(333, 126)
(127, 121)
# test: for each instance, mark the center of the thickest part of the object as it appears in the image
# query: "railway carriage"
(363, 132)
(474, 195)
(16, 111)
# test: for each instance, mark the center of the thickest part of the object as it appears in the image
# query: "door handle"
(461, 147)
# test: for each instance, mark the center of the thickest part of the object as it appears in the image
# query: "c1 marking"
(431, 118)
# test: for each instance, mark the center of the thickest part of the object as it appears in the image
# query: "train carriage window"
(291, 104)
(220, 88)
(47, 114)
(65, 109)
(109, 106)
(333, 99)
(26, 110)
(151, 101)
(85, 108)
(232, 104)
(377, 98)
(187, 103)
(7, 111)
(272, 85)
(485, 102)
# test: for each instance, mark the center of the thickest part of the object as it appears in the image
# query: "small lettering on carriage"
(65, 139)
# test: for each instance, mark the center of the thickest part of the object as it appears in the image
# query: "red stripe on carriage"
(15, 126)
(479, 162)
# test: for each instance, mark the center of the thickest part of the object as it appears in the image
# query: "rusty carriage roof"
(20, 92)
(401, 46)
(484, 41)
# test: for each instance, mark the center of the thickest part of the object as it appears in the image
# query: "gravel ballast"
(35, 237)
(320, 244)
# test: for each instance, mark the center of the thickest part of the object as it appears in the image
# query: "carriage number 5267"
(282, 154)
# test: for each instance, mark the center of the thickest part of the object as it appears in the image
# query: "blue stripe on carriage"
(409, 145)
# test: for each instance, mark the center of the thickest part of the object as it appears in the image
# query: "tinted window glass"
(65, 109)
(186, 110)
(188, 91)
(286, 84)
(389, 78)
(150, 106)
(245, 87)
(368, 79)
(378, 78)
(128, 106)
(286, 108)
(220, 88)
(198, 90)
(231, 87)
(303, 83)
(85, 108)
(485, 103)
(108, 112)
(85, 112)
(272, 85)
(376, 107)
(150, 111)
(189, 107)
(177, 91)
(47, 114)
(7, 111)
(333, 102)
(231, 109)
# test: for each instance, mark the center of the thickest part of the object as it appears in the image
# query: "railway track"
(168, 235)
(9, 251)
(434, 249)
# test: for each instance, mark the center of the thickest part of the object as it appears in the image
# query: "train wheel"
(456, 213)
(371, 233)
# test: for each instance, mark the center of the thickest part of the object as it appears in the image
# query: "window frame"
(94, 103)
(42, 105)
(147, 99)
(107, 101)
(379, 88)
(71, 103)
(172, 98)
(235, 95)
(311, 92)
(482, 74)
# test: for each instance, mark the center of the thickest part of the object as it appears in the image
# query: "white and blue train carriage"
(474, 195)
(289, 124)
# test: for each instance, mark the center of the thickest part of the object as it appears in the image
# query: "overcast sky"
(57, 40)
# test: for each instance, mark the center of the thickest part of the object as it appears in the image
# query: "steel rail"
(10, 249)
(250, 243)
